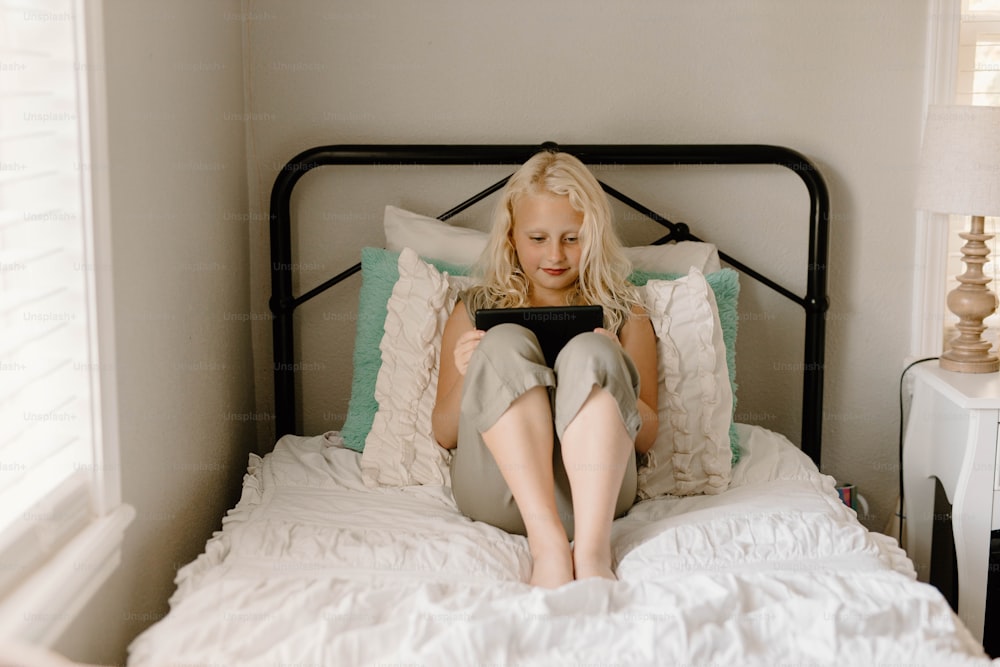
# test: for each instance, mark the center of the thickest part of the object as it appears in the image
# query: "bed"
(346, 547)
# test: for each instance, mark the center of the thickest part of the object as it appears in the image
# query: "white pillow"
(691, 454)
(400, 449)
(675, 257)
(432, 238)
(435, 239)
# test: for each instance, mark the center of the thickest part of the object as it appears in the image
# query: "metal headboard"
(814, 302)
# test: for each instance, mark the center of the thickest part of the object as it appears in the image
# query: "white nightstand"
(951, 435)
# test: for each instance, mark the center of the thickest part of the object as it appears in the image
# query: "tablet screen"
(554, 326)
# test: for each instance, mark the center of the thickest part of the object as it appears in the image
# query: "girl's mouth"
(555, 272)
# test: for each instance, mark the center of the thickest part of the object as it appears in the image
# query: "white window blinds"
(48, 363)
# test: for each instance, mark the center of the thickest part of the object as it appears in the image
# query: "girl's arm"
(639, 341)
(457, 343)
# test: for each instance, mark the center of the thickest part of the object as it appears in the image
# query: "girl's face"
(546, 237)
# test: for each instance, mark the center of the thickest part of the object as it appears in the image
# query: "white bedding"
(314, 568)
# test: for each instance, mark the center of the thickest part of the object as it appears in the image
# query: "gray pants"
(509, 362)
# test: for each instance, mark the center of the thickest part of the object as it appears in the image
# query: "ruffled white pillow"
(400, 449)
(691, 454)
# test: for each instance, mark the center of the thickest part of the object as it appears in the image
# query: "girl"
(549, 452)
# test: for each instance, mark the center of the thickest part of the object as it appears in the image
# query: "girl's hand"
(465, 346)
(607, 333)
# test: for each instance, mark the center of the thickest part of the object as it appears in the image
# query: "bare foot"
(593, 565)
(551, 567)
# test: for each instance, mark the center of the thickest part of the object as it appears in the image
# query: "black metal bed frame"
(815, 301)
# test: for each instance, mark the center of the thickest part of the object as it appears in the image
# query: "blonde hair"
(604, 268)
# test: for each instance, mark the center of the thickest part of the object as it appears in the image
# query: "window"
(978, 76)
(977, 83)
(60, 514)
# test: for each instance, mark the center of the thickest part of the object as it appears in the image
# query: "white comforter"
(314, 568)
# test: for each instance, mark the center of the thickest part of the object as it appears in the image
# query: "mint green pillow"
(379, 273)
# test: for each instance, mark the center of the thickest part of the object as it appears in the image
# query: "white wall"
(178, 196)
(838, 81)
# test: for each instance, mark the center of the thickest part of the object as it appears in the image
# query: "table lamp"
(959, 173)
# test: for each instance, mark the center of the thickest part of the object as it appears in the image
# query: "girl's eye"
(571, 239)
(537, 239)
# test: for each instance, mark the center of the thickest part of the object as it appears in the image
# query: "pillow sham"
(692, 452)
(725, 285)
(434, 239)
(379, 273)
(400, 449)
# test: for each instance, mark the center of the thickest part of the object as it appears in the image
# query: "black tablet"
(552, 325)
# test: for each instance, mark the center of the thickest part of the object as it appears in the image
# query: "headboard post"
(282, 302)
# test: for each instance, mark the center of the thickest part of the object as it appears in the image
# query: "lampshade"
(959, 169)
(959, 173)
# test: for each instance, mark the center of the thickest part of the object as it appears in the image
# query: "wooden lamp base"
(972, 302)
